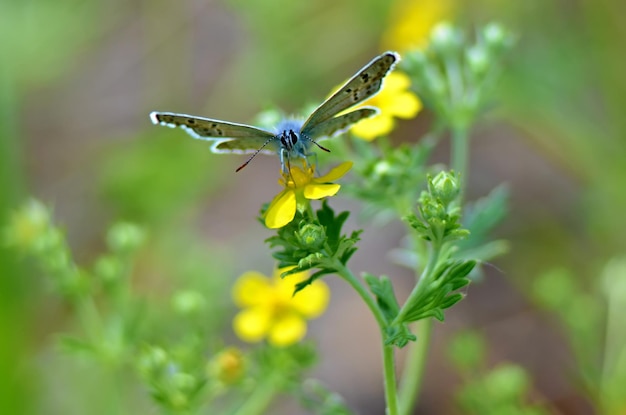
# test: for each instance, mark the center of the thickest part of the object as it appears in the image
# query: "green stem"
(391, 389)
(455, 80)
(459, 155)
(260, 398)
(433, 259)
(413, 371)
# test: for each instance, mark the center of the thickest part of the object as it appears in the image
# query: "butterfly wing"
(230, 137)
(363, 85)
(340, 124)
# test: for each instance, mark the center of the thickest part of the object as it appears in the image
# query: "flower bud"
(496, 38)
(477, 59)
(28, 225)
(108, 268)
(153, 360)
(445, 38)
(445, 187)
(311, 236)
(124, 237)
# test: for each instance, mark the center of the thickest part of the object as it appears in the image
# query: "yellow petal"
(317, 191)
(282, 210)
(412, 22)
(370, 128)
(251, 288)
(252, 324)
(300, 177)
(287, 330)
(405, 105)
(283, 288)
(312, 300)
(335, 173)
(395, 82)
(286, 286)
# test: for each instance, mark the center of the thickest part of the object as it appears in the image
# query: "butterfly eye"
(293, 136)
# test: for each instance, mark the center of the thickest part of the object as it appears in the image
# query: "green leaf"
(398, 336)
(438, 293)
(385, 296)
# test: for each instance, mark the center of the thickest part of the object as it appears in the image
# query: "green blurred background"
(78, 79)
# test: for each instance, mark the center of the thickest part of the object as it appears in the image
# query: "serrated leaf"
(398, 336)
(385, 296)
(451, 300)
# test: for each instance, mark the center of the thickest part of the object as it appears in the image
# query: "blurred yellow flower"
(411, 22)
(29, 225)
(299, 183)
(271, 311)
(227, 366)
(394, 100)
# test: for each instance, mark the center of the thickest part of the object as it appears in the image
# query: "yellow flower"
(394, 100)
(227, 366)
(411, 22)
(300, 184)
(270, 310)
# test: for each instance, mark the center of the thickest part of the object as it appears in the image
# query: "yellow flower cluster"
(412, 21)
(395, 100)
(300, 183)
(271, 311)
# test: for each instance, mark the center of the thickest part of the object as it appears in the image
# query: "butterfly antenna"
(269, 140)
(317, 144)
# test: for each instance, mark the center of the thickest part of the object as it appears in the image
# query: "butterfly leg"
(285, 164)
(315, 164)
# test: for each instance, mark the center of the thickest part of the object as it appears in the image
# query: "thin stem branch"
(459, 156)
(260, 398)
(412, 374)
(433, 259)
(391, 388)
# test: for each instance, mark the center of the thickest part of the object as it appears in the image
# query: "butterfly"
(291, 139)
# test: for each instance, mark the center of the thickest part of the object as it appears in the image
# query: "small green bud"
(311, 236)
(445, 37)
(51, 240)
(496, 38)
(445, 187)
(477, 59)
(28, 225)
(124, 237)
(152, 360)
(188, 302)
(382, 168)
(432, 209)
(108, 268)
(310, 260)
(507, 382)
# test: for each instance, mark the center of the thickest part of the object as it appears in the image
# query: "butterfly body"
(291, 139)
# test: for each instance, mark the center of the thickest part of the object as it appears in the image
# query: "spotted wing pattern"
(265, 145)
(363, 85)
(247, 137)
(341, 123)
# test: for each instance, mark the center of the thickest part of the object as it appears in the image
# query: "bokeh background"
(78, 79)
